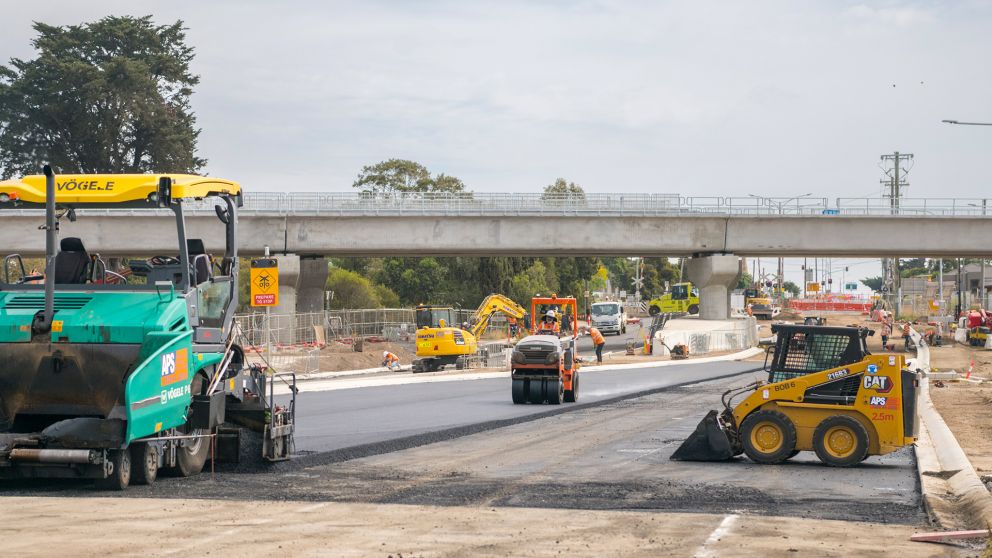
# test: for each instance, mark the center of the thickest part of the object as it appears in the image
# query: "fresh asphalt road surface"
(613, 342)
(344, 418)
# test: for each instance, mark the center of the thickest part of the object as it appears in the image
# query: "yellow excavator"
(441, 342)
(825, 393)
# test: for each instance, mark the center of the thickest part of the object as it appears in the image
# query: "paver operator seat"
(71, 262)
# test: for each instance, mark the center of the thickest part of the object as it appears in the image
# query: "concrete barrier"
(707, 336)
(939, 455)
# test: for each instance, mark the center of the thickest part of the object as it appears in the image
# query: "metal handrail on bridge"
(592, 204)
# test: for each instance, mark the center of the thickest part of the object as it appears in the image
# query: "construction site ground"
(433, 469)
(593, 481)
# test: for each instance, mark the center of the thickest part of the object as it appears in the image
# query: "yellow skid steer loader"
(825, 393)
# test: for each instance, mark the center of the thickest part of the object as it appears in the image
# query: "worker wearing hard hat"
(390, 361)
(549, 324)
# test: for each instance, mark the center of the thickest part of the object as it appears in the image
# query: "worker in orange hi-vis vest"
(390, 361)
(599, 341)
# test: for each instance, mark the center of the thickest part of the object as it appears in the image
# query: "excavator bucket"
(708, 442)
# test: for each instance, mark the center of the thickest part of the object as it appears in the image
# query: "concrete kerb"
(940, 456)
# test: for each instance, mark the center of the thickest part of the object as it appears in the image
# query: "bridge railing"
(590, 204)
(915, 206)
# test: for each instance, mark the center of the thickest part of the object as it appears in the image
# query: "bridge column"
(301, 284)
(289, 273)
(311, 284)
(715, 276)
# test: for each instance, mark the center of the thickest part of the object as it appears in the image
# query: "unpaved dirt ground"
(965, 406)
(153, 527)
(338, 356)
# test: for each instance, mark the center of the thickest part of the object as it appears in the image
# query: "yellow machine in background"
(440, 341)
(759, 303)
(684, 298)
(825, 393)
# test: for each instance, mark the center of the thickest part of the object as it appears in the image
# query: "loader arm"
(492, 305)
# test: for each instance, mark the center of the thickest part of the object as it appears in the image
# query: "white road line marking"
(705, 551)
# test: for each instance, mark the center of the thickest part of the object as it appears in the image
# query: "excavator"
(824, 393)
(441, 342)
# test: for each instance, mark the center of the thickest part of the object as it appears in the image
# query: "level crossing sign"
(264, 282)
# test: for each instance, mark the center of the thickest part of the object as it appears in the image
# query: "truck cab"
(608, 317)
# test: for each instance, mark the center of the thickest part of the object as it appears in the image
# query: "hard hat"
(551, 314)
(385, 354)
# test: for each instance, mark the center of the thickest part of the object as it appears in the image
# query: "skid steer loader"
(825, 393)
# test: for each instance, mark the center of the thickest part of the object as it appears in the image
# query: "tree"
(401, 176)
(111, 96)
(446, 183)
(562, 188)
(351, 290)
(745, 281)
(873, 283)
(791, 288)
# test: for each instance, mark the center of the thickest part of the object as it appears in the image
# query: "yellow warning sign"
(265, 282)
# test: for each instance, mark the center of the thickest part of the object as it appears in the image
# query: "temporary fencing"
(293, 342)
(740, 336)
(285, 342)
(812, 305)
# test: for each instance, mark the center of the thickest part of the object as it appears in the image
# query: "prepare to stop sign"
(265, 282)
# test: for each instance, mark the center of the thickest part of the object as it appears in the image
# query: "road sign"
(265, 282)
(812, 287)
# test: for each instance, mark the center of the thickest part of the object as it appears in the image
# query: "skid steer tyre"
(144, 463)
(653, 310)
(840, 441)
(769, 437)
(120, 478)
(556, 391)
(572, 395)
(693, 309)
(519, 392)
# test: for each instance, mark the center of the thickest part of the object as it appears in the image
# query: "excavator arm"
(493, 304)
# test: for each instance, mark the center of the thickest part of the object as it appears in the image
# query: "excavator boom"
(493, 304)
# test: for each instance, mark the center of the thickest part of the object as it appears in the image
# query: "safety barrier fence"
(606, 204)
(805, 305)
(741, 336)
(295, 342)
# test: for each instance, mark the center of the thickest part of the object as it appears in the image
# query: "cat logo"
(881, 384)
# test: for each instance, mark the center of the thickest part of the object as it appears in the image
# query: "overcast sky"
(771, 98)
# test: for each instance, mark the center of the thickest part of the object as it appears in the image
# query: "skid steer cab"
(114, 372)
(545, 366)
(825, 393)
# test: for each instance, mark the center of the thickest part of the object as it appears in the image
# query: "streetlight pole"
(981, 262)
(967, 123)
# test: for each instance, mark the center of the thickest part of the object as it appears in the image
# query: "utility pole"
(896, 182)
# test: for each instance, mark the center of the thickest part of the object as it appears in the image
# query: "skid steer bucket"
(708, 442)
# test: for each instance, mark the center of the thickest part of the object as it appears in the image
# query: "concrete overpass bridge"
(713, 230)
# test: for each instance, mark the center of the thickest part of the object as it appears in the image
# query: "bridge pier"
(715, 276)
(311, 284)
(301, 284)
